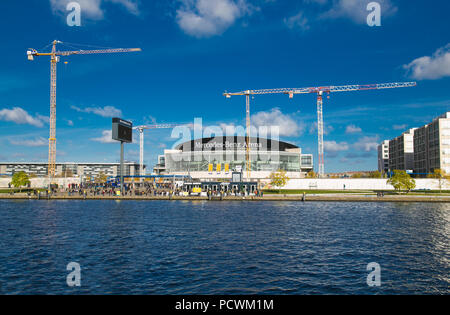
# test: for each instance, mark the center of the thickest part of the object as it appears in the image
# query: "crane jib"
(325, 89)
(101, 51)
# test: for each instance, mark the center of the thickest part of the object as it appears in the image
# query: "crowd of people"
(234, 192)
(112, 189)
(145, 189)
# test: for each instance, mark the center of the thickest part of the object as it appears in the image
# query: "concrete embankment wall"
(42, 182)
(356, 184)
(306, 184)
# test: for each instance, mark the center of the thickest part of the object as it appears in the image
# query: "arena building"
(218, 158)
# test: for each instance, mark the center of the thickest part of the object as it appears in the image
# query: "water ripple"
(161, 247)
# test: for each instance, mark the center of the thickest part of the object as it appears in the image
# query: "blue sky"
(194, 50)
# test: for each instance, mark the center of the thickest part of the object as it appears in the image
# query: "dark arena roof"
(234, 142)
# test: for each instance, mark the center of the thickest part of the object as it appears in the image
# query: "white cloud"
(105, 138)
(288, 126)
(130, 154)
(206, 18)
(356, 10)
(298, 21)
(333, 146)
(38, 142)
(44, 119)
(107, 111)
(366, 144)
(149, 120)
(353, 10)
(132, 6)
(400, 127)
(327, 129)
(89, 8)
(93, 9)
(432, 67)
(352, 129)
(21, 116)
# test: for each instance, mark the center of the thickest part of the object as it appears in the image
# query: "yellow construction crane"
(54, 59)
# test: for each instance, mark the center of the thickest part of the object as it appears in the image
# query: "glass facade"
(261, 161)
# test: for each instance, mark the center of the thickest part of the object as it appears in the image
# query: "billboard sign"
(122, 130)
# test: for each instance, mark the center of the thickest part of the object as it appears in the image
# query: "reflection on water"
(195, 247)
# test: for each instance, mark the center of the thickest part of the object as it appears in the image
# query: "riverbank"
(309, 197)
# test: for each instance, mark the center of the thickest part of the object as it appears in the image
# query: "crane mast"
(141, 141)
(320, 134)
(320, 92)
(54, 59)
(247, 150)
(52, 137)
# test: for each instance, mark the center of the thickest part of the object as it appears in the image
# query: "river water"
(190, 247)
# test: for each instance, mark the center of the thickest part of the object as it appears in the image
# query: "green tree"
(20, 179)
(402, 181)
(311, 174)
(441, 176)
(357, 175)
(279, 179)
(375, 174)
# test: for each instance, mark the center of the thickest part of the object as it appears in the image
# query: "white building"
(432, 146)
(401, 152)
(75, 169)
(383, 157)
(218, 158)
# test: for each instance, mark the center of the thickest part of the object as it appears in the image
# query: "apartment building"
(383, 157)
(432, 146)
(76, 169)
(401, 152)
